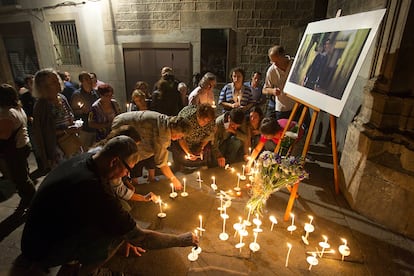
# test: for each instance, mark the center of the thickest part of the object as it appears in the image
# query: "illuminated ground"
(374, 249)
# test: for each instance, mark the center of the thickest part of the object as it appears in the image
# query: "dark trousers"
(232, 149)
(17, 170)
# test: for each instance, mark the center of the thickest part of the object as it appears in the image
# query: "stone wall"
(377, 158)
(258, 24)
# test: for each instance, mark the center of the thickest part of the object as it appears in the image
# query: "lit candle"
(324, 245)
(172, 188)
(238, 226)
(223, 235)
(247, 221)
(250, 151)
(311, 219)
(199, 179)
(292, 227)
(274, 221)
(288, 254)
(237, 188)
(344, 249)
(312, 260)
(160, 202)
(214, 179)
(201, 221)
(184, 184)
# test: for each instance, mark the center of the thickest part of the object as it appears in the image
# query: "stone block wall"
(258, 24)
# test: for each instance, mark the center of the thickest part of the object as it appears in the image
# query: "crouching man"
(75, 216)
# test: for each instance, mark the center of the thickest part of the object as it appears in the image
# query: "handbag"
(70, 144)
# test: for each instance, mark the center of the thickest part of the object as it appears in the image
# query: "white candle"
(273, 220)
(293, 218)
(214, 179)
(288, 254)
(243, 167)
(184, 184)
(250, 151)
(312, 260)
(224, 221)
(311, 219)
(250, 211)
(324, 245)
(172, 187)
(160, 202)
(238, 180)
(201, 221)
(344, 249)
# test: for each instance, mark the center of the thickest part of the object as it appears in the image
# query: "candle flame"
(289, 245)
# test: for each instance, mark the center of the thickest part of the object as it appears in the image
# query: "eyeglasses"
(126, 165)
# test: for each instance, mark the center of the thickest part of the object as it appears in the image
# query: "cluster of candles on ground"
(241, 226)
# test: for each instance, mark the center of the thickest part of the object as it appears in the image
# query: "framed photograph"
(329, 58)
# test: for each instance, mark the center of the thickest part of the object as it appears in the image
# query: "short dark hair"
(256, 72)
(83, 75)
(105, 89)
(237, 115)
(120, 146)
(258, 110)
(238, 69)
(206, 111)
(269, 126)
(8, 96)
(179, 124)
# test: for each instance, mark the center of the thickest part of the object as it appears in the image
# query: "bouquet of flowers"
(271, 173)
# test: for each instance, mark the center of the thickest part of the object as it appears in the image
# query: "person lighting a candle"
(230, 141)
(271, 130)
(193, 150)
(156, 131)
(95, 225)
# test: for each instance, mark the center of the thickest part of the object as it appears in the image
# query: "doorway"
(144, 61)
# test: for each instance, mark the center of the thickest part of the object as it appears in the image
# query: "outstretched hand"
(135, 249)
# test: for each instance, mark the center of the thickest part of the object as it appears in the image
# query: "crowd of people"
(92, 151)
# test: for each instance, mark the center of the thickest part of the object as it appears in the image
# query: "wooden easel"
(306, 106)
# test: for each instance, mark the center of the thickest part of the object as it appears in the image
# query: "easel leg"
(291, 201)
(334, 152)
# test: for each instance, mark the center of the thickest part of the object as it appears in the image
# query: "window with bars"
(65, 42)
